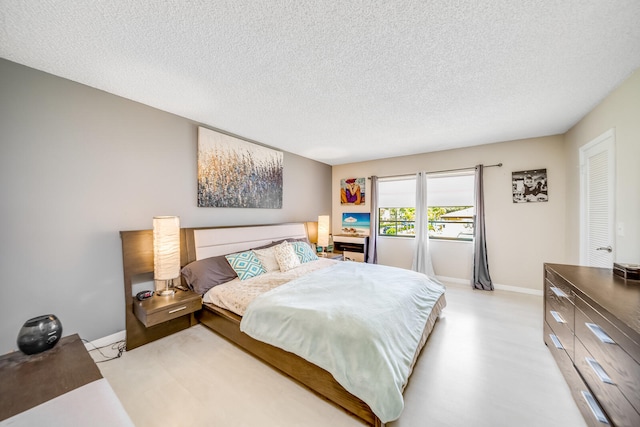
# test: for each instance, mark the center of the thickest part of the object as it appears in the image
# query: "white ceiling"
(341, 81)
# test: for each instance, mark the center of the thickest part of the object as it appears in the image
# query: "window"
(451, 222)
(397, 221)
(450, 207)
(451, 212)
(397, 207)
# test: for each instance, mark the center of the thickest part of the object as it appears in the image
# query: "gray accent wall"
(77, 165)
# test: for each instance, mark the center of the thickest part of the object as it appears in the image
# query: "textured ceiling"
(341, 81)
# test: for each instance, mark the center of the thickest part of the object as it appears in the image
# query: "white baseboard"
(509, 288)
(455, 280)
(101, 342)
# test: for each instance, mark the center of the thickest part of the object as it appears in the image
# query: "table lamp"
(166, 251)
(323, 232)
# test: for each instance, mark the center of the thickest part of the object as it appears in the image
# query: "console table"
(353, 248)
(592, 328)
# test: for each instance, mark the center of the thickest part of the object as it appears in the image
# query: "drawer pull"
(559, 292)
(595, 408)
(556, 342)
(599, 333)
(557, 316)
(597, 368)
(175, 310)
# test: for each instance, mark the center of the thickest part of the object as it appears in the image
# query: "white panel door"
(597, 191)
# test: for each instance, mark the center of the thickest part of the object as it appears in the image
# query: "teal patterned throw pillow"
(246, 264)
(304, 252)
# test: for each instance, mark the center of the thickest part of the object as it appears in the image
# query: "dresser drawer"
(554, 280)
(610, 397)
(154, 314)
(607, 346)
(557, 351)
(587, 404)
(561, 298)
(560, 328)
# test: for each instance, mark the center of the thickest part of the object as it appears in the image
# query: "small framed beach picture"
(352, 191)
(356, 223)
(530, 186)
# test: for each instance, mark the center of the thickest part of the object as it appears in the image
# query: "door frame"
(609, 134)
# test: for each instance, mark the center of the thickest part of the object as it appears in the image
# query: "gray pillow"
(302, 239)
(204, 274)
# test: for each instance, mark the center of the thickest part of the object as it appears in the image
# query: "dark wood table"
(27, 381)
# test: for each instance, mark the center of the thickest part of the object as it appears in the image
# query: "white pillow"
(267, 258)
(286, 256)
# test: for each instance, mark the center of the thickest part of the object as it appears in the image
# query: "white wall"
(451, 258)
(619, 111)
(78, 165)
(521, 237)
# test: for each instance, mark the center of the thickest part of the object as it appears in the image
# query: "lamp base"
(166, 290)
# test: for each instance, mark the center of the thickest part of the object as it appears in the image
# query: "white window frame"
(382, 203)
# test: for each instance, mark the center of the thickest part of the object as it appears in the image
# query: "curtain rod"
(499, 165)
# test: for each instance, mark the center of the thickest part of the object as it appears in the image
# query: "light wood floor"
(484, 365)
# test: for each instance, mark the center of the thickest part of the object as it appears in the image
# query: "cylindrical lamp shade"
(166, 247)
(323, 231)
(312, 231)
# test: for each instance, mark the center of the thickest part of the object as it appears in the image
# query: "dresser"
(592, 328)
(58, 387)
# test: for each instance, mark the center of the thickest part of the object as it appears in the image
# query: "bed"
(201, 245)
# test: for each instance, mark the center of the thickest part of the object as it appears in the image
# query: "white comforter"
(360, 322)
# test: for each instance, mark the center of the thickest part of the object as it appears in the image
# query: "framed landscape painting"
(233, 173)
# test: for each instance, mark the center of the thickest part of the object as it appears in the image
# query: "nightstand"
(159, 309)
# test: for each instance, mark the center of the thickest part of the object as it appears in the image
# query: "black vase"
(39, 334)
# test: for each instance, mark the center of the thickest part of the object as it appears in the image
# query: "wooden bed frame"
(200, 243)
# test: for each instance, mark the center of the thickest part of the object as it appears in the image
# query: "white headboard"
(211, 242)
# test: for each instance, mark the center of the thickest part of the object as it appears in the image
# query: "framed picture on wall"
(233, 173)
(530, 186)
(352, 191)
(356, 223)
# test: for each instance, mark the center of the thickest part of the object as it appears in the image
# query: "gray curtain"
(481, 278)
(372, 252)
